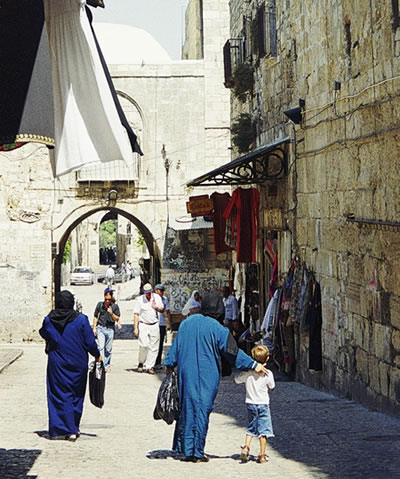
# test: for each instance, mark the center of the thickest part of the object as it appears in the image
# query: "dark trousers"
(163, 330)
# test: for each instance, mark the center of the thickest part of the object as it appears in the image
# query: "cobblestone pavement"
(317, 435)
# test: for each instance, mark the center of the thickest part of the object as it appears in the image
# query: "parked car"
(119, 277)
(82, 275)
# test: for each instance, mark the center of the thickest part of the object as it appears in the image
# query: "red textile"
(245, 222)
(220, 201)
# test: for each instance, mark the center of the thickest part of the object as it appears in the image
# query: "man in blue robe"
(69, 339)
(197, 351)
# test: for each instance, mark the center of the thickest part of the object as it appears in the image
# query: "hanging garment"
(314, 321)
(242, 211)
(274, 277)
(307, 294)
(230, 230)
(87, 125)
(268, 325)
(220, 201)
(296, 290)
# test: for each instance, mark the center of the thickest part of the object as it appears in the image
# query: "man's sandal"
(244, 454)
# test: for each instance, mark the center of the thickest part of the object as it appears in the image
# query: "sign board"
(199, 205)
(273, 219)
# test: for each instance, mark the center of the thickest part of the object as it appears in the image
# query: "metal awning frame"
(253, 168)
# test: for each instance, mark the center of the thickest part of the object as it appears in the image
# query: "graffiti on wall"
(184, 250)
(179, 286)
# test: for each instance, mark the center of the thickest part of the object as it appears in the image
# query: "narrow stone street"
(317, 435)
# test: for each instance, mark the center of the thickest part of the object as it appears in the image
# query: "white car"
(82, 275)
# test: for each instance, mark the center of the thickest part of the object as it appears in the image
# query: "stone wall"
(344, 165)
(26, 207)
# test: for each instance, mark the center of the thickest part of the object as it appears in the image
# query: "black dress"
(314, 321)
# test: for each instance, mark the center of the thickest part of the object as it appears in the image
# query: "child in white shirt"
(257, 400)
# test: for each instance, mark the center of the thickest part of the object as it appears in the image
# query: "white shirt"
(256, 386)
(142, 307)
(110, 273)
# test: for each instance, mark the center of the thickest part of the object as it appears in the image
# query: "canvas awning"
(266, 163)
(28, 112)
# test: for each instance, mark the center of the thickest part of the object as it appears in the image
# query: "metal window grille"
(233, 56)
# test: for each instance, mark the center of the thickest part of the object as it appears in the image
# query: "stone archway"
(147, 235)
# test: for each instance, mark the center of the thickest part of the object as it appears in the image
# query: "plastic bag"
(97, 383)
(167, 405)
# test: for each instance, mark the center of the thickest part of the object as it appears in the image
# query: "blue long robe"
(196, 351)
(67, 370)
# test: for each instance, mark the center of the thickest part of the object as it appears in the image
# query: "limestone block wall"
(344, 164)
(26, 205)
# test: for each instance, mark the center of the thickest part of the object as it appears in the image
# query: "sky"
(163, 19)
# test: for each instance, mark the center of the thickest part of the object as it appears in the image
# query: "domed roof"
(123, 44)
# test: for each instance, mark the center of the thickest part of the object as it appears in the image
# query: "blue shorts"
(260, 423)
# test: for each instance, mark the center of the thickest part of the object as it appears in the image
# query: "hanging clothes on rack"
(268, 324)
(274, 278)
(241, 214)
(220, 202)
(314, 321)
(296, 290)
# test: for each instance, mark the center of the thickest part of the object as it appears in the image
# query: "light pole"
(167, 164)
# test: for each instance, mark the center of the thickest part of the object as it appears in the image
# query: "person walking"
(106, 316)
(145, 326)
(165, 321)
(193, 304)
(231, 308)
(69, 339)
(196, 352)
(257, 400)
(110, 275)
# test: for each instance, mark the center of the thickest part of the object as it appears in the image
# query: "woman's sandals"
(244, 454)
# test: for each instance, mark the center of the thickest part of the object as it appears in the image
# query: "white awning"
(189, 223)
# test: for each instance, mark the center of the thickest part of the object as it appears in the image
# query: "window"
(396, 17)
(263, 31)
(233, 56)
(271, 37)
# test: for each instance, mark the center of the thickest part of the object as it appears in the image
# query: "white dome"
(123, 44)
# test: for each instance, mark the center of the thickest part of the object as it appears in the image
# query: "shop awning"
(268, 162)
(28, 111)
(188, 223)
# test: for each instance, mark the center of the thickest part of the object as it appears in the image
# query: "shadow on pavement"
(126, 332)
(16, 463)
(45, 435)
(334, 437)
(167, 454)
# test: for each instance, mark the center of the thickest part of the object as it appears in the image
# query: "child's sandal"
(244, 454)
(262, 458)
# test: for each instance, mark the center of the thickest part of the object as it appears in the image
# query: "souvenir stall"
(293, 317)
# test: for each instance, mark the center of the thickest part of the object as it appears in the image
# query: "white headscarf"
(191, 304)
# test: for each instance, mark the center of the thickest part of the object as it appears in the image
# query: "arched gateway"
(74, 220)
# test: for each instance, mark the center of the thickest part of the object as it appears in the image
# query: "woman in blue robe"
(69, 339)
(196, 351)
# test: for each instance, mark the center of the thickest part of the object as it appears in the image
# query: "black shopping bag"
(167, 405)
(97, 383)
